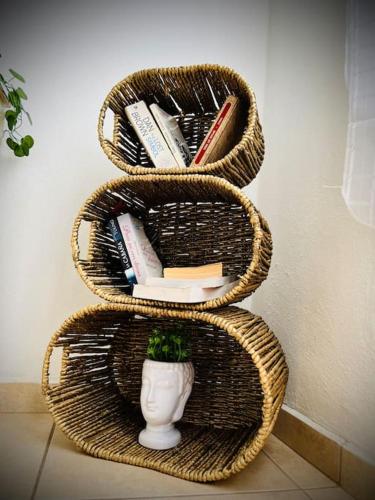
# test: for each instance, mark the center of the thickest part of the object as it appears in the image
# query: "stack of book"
(144, 271)
(163, 140)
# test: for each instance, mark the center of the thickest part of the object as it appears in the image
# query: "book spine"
(125, 260)
(216, 129)
(145, 260)
(131, 246)
(173, 135)
(150, 135)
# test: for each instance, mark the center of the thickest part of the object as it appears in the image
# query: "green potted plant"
(12, 97)
(167, 379)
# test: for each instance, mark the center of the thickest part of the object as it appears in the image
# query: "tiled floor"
(38, 461)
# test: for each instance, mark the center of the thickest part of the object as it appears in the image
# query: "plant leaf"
(28, 141)
(18, 151)
(25, 149)
(11, 143)
(21, 93)
(14, 99)
(17, 75)
(11, 120)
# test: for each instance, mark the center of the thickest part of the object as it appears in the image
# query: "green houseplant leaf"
(25, 145)
(21, 93)
(169, 345)
(14, 99)
(17, 75)
(12, 144)
(18, 151)
(28, 141)
(11, 119)
(14, 96)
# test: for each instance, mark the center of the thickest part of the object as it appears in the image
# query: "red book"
(222, 135)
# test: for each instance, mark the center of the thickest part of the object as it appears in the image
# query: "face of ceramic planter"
(165, 390)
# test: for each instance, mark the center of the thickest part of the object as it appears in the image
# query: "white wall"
(320, 293)
(71, 54)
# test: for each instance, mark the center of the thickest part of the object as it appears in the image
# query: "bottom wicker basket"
(240, 379)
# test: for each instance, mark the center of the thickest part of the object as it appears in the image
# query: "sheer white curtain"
(359, 174)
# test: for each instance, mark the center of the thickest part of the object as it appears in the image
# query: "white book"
(173, 135)
(191, 282)
(150, 135)
(143, 257)
(184, 295)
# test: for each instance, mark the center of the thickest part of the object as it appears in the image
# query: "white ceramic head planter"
(165, 390)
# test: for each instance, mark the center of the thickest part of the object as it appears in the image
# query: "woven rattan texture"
(193, 95)
(190, 220)
(93, 405)
(225, 378)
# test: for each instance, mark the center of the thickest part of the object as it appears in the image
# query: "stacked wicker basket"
(196, 215)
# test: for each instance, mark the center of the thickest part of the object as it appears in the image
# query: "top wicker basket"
(192, 94)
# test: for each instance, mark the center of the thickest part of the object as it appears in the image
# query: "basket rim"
(217, 318)
(255, 220)
(246, 139)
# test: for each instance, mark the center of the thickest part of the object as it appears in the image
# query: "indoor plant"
(12, 97)
(167, 379)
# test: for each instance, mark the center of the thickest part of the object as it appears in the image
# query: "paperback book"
(189, 295)
(150, 135)
(207, 271)
(190, 282)
(136, 251)
(117, 236)
(173, 135)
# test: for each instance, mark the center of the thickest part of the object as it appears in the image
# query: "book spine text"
(125, 260)
(150, 135)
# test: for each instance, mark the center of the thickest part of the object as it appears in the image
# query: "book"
(172, 134)
(206, 271)
(190, 282)
(222, 135)
(114, 227)
(149, 134)
(186, 295)
(143, 257)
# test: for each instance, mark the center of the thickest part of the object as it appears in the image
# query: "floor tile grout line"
(322, 487)
(280, 468)
(308, 495)
(43, 462)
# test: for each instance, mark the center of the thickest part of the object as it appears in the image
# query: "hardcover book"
(150, 135)
(222, 135)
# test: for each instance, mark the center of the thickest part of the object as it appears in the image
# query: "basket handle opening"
(55, 365)
(82, 237)
(106, 124)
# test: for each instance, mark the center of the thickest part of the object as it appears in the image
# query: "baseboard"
(354, 472)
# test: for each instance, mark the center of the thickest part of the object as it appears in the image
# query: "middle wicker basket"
(192, 220)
